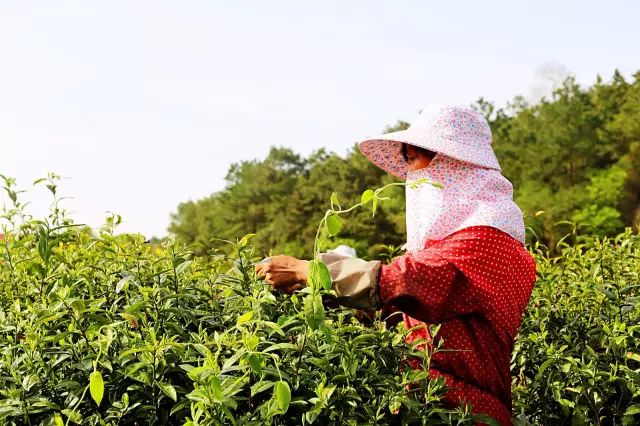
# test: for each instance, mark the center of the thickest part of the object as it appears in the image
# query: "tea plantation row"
(109, 330)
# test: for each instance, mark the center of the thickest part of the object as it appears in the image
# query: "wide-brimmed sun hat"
(457, 131)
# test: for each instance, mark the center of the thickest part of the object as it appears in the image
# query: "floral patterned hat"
(456, 131)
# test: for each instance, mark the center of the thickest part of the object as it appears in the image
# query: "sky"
(142, 105)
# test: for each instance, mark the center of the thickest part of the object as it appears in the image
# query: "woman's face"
(416, 159)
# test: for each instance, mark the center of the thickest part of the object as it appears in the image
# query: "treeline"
(572, 158)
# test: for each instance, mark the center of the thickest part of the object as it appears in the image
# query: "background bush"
(577, 357)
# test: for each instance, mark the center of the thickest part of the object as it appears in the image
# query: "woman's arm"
(419, 284)
(423, 285)
(475, 270)
(478, 270)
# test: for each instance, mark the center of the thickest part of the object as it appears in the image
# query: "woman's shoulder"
(484, 246)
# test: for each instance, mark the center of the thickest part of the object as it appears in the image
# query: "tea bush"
(106, 329)
(577, 357)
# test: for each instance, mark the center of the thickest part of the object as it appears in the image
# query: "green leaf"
(319, 275)
(333, 224)
(394, 404)
(374, 206)
(244, 241)
(313, 310)
(281, 347)
(29, 381)
(122, 283)
(566, 403)
(544, 367)
(72, 415)
(246, 317)
(216, 389)
(78, 306)
(57, 418)
(261, 387)
(312, 274)
(334, 200)
(168, 390)
(43, 247)
(96, 386)
(282, 396)
(255, 362)
(632, 410)
(633, 356)
(251, 342)
(367, 196)
(176, 261)
(324, 276)
(328, 334)
(311, 415)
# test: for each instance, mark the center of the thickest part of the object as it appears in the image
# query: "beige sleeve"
(355, 281)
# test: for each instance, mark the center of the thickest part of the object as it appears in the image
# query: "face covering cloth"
(471, 196)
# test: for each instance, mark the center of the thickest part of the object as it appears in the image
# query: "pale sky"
(145, 104)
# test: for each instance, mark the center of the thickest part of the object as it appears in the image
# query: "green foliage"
(108, 329)
(603, 194)
(577, 357)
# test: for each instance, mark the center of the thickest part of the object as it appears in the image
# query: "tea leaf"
(57, 418)
(333, 224)
(395, 404)
(367, 196)
(122, 283)
(633, 356)
(245, 240)
(168, 390)
(255, 362)
(313, 310)
(632, 410)
(334, 200)
(29, 381)
(324, 276)
(246, 317)
(72, 415)
(281, 346)
(282, 396)
(261, 387)
(319, 275)
(96, 386)
(216, 389)
(43, 247)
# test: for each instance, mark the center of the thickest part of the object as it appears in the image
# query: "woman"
(466, 266)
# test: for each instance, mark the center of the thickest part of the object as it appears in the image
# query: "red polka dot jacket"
(476, 283)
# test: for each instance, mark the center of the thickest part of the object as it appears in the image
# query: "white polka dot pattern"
(476, 283)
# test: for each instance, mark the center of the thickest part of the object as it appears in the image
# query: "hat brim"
(385, 151)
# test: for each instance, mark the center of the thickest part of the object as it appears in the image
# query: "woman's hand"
(284, 273)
